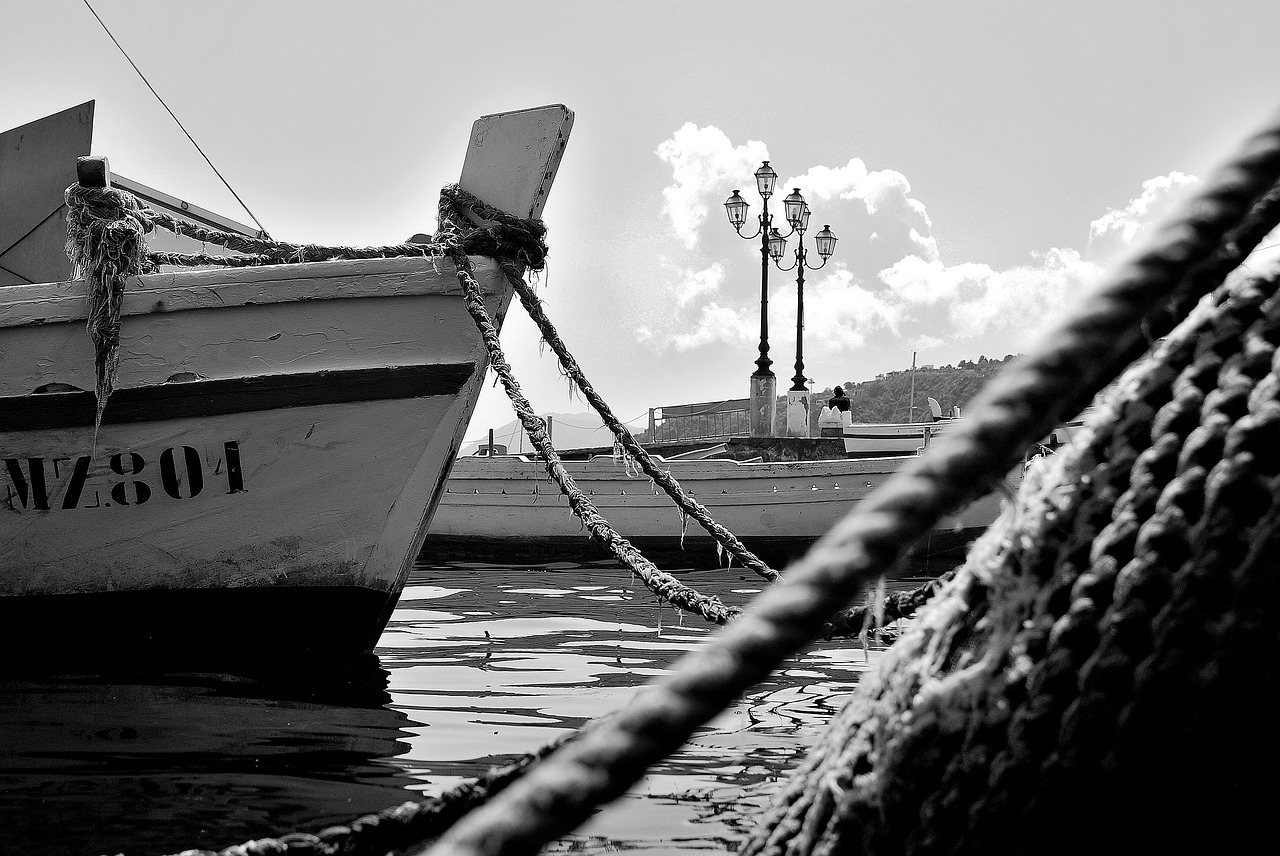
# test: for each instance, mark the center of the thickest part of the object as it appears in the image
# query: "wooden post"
(93, 171)
(507, 163)
(491, 442)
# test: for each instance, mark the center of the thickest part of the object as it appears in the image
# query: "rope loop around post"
(106, 245)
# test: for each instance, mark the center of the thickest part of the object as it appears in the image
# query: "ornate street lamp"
(763, 383)
(773, 246)
(825, 244)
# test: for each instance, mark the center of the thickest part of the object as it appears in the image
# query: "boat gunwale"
(34, 304)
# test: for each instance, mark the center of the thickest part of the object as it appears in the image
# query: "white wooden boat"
(277, 441)
(877, 439)
(506, 508)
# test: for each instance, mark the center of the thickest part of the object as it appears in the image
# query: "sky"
(980, 162)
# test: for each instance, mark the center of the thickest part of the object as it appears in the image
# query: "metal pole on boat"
(911, 408)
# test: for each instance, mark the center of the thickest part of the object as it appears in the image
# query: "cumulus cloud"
(974, 300)
(879, 222)
(694, 284)
(839, 312)
(886, 289)
(717, 323)
(703, 164)
(1114, 232)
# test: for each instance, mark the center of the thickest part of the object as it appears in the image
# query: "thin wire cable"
(125, 53)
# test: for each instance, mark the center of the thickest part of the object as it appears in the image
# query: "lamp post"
(825, 243)
(772, 246)
(764, 386)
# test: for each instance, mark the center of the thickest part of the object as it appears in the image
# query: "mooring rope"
(394, 828)
(515, 241)
(1103, 654)
(105, 229)
(660, 583)
(1076, 358)
(660, 476)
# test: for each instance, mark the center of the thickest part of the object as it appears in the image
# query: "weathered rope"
(660, 583)
(394, 828)
(1076, 358)
(504, 236)
(495, 238)
(467, 225)
(105, 244)
(902, 604)
(1100, 656)
(660, 476)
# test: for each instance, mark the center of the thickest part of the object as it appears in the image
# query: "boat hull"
(270, 459)
(507, 508)
(876, 439)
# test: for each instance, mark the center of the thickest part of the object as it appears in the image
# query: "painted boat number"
(181, 472)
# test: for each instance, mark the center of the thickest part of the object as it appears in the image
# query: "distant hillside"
(885, 399)
(888, 397)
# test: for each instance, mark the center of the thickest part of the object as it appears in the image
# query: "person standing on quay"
(839, 401)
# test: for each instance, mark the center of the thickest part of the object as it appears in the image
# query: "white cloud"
(704, 165)
(717, 323)
(839, 312)
(698, 283)
(879, 221)
(925, 343)
(887, 287)
(1117, 230)
(977, 300)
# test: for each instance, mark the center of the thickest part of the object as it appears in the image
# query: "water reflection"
(492, 661)
(91, 766)
(479, 665)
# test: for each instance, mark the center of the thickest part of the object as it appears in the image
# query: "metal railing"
(717, 420)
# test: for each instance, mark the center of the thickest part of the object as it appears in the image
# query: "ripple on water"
(479, 665)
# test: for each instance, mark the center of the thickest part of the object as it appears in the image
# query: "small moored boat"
(276, 443)
(505, 508)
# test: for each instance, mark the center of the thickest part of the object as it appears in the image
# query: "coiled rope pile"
(1092, 677)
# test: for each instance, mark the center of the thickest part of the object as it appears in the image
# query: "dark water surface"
(480, 664)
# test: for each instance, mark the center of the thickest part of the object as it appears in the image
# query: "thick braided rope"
(503, 236)
(662, 584)
(993, 727)
(105, 244)
(661, 477)
(1077, 358)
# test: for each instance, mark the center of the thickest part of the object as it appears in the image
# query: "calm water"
(479, 664)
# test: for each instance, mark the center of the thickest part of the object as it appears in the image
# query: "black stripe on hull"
(199, 398)
(245, 630)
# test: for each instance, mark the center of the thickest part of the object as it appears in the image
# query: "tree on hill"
(888, 397)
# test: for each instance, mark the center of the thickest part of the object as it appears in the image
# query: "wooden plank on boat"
(513, 157)
(37, 162)
(219, 288)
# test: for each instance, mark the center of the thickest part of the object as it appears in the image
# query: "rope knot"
(504, 236)
(105, 243)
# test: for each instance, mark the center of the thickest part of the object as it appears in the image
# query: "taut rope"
(1079, 356)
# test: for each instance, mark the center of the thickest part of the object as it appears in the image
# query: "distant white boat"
(277, 441)
(878, 439)
(506, 508)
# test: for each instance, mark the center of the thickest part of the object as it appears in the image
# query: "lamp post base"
(797, 413)
(764, 404)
